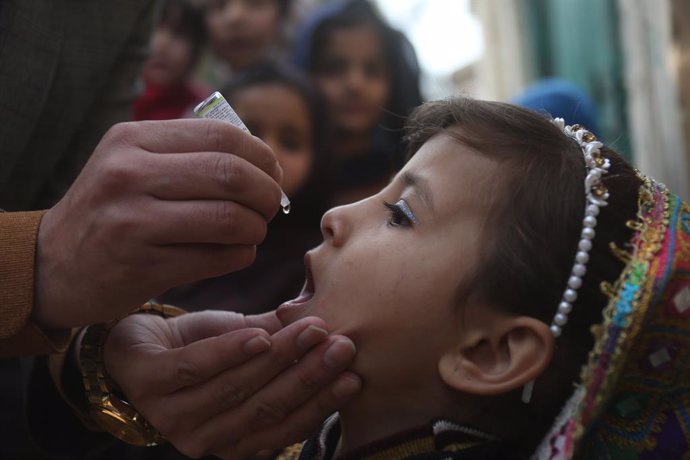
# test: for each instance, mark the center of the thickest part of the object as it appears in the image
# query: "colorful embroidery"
(634, 400)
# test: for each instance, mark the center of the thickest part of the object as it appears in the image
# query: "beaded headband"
(596, 196)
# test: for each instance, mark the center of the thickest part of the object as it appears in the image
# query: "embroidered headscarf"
(634, 398)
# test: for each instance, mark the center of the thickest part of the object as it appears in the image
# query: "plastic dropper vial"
(215, 106)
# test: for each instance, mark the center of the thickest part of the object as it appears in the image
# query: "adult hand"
(220, 383)
(159, 204)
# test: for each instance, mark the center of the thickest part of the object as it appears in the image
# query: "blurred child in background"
(176, 44)
(244, 33)
(369, 75)
(283, 109)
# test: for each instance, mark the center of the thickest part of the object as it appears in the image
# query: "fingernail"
(256, 345)
(311, 336)
(346, 386)
(339, 354)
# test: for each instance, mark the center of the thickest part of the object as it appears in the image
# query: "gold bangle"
(111, 412)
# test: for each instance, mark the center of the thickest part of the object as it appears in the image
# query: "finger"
(301, 423)
(272, 404)
(198, 135)
(200, 361)
(210, 323)
(267, 321)
(227, 391)
(216, 176)
(300, 383)
(231, 388)
(215, 222)
(204, 324)
(201, 261)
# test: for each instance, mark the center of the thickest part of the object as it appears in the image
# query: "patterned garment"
(440, 439)
(634, 400)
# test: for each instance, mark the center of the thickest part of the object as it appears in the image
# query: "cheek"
(385, 277)
(296, 169)
(378, 92)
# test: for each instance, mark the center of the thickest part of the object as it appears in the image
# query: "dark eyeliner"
(400, 214)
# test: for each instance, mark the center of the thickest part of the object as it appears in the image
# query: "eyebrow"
(421, 186)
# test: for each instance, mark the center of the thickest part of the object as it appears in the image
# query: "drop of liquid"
(286, 209)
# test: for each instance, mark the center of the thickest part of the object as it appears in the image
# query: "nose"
(355, 79)
(335, 225)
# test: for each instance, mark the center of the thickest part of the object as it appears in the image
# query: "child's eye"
(400, 214)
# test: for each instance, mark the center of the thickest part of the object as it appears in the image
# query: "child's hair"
(314, 196)
(400, 60)
(184, 19)
(533, 229)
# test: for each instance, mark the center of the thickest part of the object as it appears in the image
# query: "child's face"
(354, 78)
(172, 56)
(243, 31)
(390, 279)
(280, 117)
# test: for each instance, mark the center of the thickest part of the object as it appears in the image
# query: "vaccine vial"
(215, 106)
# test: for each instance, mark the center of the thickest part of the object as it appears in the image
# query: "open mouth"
(307, 290)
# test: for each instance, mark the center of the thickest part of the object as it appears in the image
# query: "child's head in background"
(449, 278)
(245, 32)
(367, 70)
(283, 109)
(349, 60)
(176, 44)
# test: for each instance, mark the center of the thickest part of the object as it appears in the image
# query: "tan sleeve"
(18, 336)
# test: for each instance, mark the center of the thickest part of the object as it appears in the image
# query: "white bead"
(590, 221)
(588, 233)
(579, 270)
(585, 245)
(597, 201)
(575, 282)
(592, 210)
(555, 330)
(564, 308)
(592, 147)
(582, 257)
(560, 319)
(570, 295)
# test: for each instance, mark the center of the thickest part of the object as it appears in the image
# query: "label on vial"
(215, 106)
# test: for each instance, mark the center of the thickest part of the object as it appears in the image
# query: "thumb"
(196, 326)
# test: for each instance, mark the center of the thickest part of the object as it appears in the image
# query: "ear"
(498, 357)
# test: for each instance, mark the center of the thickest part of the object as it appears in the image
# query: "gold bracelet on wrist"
(111, 412)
